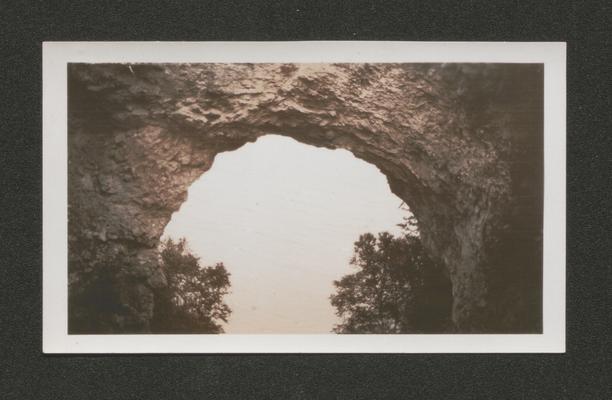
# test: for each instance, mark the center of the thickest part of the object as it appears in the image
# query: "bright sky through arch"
(283, 216)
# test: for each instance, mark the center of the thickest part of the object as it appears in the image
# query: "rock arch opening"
(460, 143)
(283, 217)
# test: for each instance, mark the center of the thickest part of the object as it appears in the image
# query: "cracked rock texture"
(461, 144)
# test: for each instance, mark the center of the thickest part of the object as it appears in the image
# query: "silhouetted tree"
(95, 299)
(192, 302)
(397, 287)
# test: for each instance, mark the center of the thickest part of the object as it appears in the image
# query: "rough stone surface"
(461, 144)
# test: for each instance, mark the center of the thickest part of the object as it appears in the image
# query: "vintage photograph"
(277, 198)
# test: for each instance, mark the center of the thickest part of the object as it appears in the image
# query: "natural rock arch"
(460, 144)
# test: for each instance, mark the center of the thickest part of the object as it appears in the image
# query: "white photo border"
(56, 56)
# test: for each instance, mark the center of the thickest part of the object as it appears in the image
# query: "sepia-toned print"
(460, 146)
(309, 198)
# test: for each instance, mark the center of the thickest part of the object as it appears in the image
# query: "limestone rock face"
(461, 144)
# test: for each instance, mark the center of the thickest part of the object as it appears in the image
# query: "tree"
(397, 287)
(95, 298)
(192, 302)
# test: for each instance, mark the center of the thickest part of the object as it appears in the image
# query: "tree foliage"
(396, 288)
(192, 302)
(95, 299)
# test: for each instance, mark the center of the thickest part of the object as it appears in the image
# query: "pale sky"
(283, 216)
